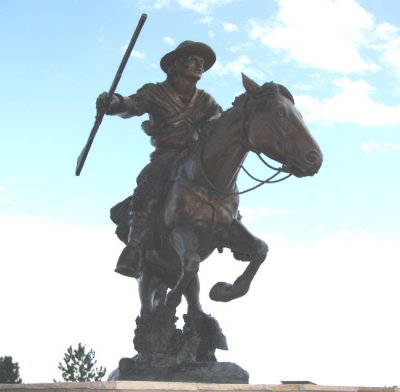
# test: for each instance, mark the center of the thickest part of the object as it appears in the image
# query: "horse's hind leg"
(207, 326)
(185, 242)
(192, 293)
(151, 292)
(252, 249)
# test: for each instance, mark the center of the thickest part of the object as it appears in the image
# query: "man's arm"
(214, 111)
(125, 107)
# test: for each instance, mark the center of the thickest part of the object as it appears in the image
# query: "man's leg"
(146, 197)
(130, 260)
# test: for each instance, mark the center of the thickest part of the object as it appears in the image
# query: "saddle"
(152, 185)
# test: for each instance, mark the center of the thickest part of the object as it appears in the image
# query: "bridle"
(245, 141)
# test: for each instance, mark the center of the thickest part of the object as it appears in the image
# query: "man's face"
(193, 67)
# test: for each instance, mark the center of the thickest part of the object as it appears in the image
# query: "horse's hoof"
(220, 341)
(209, 326)
(221, 292)
(260, 252)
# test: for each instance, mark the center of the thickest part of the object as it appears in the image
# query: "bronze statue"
(186, 202)
(177, 111)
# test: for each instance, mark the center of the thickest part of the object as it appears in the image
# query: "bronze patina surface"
(186, 204)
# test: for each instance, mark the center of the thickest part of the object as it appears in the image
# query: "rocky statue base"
(203, 372)
(166, 353)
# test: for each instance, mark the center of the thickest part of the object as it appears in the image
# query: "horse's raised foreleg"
(240, 240)
(185, 243)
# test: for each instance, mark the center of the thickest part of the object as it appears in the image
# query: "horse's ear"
(250, 85)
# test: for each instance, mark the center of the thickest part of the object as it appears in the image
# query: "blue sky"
(324, 306)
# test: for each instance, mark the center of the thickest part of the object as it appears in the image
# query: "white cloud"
(201, 6)
(2, 188)
(353, 104)
(235, 67)
(303, 86)
(138, 54)
(230, 27)
(240, 47)
(325, 34)
(8, 201)
(135, 53)
(51, 271)
(386, 31)
(251, 214)
(168, 40)
(154, 4)
(390, 45)
(335, 295)
(371, 147)
(320, 299)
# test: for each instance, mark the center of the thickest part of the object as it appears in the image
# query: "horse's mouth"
(302, 170)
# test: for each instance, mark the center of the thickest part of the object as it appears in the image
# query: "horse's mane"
(267, 90)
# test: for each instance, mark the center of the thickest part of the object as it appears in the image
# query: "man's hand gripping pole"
(100, 114)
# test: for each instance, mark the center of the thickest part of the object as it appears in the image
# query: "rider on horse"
(177, 111)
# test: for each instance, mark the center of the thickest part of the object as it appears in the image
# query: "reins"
(269, 180)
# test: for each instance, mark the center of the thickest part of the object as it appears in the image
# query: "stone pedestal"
(150, 386)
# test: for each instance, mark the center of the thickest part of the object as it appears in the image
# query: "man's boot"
(130, 260)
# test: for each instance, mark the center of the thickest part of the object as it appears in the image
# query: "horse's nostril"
(312, 157)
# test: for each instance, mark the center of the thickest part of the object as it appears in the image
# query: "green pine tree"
(78, 365)
(9, 371)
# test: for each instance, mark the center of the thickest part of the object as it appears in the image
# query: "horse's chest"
(207, 215)
(214, 217)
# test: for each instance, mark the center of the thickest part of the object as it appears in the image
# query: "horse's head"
(276, 128)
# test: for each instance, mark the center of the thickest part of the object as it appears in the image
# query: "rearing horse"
(200, 212)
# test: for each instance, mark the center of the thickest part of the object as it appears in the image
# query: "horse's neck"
(224, 152)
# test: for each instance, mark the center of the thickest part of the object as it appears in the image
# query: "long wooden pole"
(100, 114)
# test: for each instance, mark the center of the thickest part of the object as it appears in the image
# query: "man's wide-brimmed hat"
(187, 48)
